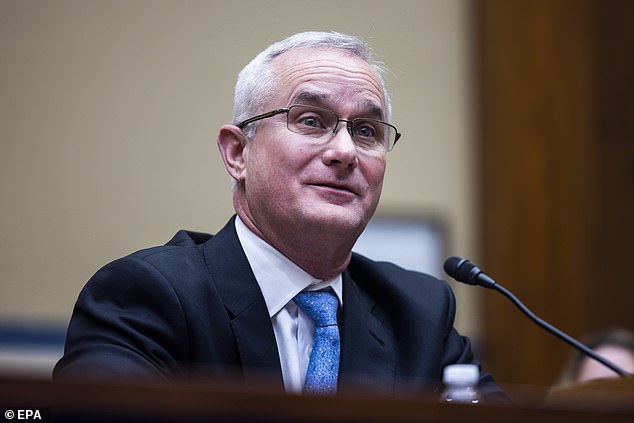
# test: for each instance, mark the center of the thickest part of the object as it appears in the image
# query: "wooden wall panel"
(537, 172)
(611, 291)
(556, 81)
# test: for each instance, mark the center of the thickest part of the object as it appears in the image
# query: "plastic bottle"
(461, 382)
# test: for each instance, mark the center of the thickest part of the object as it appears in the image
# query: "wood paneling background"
(556, 113)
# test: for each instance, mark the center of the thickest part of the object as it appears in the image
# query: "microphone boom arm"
(550, 328)
(464, 271)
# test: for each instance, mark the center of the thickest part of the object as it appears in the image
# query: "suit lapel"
(367, 352)
(236, 284)
(367, 355)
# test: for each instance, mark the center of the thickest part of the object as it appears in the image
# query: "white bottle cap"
(461, 373)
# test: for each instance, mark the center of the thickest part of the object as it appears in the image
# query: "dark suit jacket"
(193, 308)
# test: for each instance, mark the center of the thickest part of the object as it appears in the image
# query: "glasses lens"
(311, 121)
(372, 134)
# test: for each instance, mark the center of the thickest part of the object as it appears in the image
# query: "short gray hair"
(257, 82)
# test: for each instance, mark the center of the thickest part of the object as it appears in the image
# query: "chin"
(334, 219)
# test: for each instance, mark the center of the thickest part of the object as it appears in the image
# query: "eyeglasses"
(367, 134)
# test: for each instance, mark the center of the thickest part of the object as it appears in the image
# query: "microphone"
(464, 271)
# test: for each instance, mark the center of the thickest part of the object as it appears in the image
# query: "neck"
(320, 260)
(320, 254)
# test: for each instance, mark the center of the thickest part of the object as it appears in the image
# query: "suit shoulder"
(178, 264)
(182, 255)
(183, 242)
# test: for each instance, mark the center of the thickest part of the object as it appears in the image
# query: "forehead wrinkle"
(292, 66)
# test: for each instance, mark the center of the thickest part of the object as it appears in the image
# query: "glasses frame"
(349, 123)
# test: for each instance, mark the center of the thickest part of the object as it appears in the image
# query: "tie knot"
(321, 306)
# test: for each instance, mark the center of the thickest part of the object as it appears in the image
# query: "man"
(307, 153)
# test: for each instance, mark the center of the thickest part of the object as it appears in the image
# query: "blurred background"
(518, 153)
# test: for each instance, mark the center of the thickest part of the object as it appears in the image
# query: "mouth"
(337, 187)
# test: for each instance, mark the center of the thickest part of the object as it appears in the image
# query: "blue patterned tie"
(323, 367)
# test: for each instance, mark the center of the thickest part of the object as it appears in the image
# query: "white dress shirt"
(280, 280)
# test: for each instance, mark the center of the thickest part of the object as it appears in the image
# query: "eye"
(310, 120)
(368, 131)
(365, 130)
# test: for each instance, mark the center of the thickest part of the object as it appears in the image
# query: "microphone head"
(462, 270)
(452, 264)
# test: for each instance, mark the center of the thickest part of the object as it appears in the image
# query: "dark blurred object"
(222, 401)
(605, 394)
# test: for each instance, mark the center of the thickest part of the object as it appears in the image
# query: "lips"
(337, 186)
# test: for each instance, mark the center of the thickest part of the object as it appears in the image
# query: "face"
(592, 369)
(293, 183)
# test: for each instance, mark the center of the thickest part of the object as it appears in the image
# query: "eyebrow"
(374, 110)
(309, 97)
(370, 108)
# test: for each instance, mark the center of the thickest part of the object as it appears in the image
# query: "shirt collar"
(278, 277)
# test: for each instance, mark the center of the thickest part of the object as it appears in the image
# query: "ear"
(232, 145)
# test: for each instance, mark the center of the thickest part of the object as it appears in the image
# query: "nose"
(341, 149)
